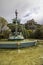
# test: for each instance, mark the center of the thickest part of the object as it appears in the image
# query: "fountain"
(17, 41)
(16, 36)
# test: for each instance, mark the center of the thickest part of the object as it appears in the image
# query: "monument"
(21, 43)
(16, 36)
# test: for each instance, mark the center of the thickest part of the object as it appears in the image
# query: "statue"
(16, 14)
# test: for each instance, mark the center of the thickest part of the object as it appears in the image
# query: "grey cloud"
(7, 7)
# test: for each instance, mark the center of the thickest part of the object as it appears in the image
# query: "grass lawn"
(25, 56)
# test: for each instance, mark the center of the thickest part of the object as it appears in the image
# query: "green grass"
(25, 56)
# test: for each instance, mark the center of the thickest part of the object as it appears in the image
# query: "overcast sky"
(27, 9)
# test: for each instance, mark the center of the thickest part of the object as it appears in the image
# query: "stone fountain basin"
(17, 44)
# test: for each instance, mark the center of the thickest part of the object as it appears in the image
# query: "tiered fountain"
(16, 36)
(18, 41)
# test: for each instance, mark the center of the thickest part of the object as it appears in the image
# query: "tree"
(24, 32)
(38, 33)
(3, 22)
(4, 29)
(6, 33)
(30, 33)
(31, 24)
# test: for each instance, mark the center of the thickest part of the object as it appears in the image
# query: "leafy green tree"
(24, 32)
(3, 22)
(6, 33)
(38, 33)
(4, 29)
(30, 33)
